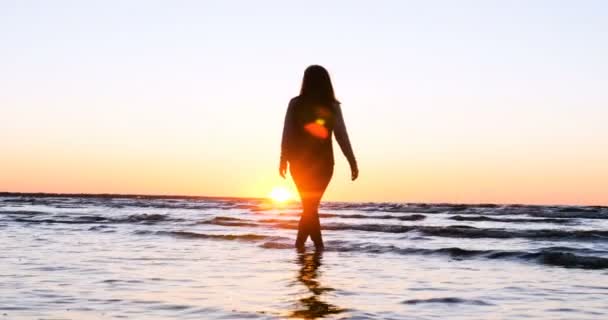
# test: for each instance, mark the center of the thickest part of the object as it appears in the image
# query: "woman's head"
(316, 85)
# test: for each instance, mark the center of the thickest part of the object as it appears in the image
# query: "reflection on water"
(312, 307)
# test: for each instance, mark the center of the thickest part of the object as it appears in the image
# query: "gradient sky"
(445, 101)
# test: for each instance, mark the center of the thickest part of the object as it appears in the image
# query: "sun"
(280, 194)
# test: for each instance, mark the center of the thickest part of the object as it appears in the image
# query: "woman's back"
(311, 126)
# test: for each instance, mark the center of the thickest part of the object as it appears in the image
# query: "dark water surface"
(196, 258)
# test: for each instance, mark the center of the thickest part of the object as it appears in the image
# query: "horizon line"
(200, 197)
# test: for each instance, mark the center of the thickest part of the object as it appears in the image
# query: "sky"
(444, 101)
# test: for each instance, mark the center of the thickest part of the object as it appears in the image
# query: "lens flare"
(317, 130)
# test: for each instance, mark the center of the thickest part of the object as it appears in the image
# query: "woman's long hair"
(317, 87)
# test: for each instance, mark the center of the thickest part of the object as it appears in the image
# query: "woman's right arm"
(287, 137)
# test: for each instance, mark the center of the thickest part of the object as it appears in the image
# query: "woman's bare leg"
(315, 224)
(311, 189)
(303, 231)
(305, 220)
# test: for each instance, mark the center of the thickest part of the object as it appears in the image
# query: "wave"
(384, 207)
(561, 256)
(454, 231)
(145, 218)
(596, 214)
(547, 256)
(88, 219)
(412, 217)
(288, 223)
(277, 245)
(448, 300)
(230, 222)
(195, 235)
(589, 212)
(568, 260)
(54, 221)
(472, 232)
(513, 220)
(552, 256)
(22, 213)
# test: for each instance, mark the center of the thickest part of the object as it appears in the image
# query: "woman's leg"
(309, 224)
(311, 185)
(322, 180)
(302, 183)
(315, 223)
(303, 226)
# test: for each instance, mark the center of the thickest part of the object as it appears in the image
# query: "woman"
(311, 119)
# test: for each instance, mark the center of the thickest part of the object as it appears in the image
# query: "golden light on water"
(280, 194)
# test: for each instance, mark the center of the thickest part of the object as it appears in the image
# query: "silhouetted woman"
(311, 119)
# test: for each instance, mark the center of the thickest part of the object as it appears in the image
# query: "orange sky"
(442, 103)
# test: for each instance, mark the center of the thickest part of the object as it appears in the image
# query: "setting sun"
(280, 194)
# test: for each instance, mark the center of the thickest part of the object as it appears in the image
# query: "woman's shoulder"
(295, 102)
(295, 99)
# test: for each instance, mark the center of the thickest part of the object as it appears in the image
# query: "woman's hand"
(354, 172)
(283, 169)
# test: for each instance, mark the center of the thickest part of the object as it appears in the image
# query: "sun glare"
(280, 194)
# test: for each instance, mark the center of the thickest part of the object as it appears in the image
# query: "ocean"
(137, 257)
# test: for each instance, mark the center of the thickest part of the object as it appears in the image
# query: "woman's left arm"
(344, 141)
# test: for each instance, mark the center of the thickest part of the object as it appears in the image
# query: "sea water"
(114, 257)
